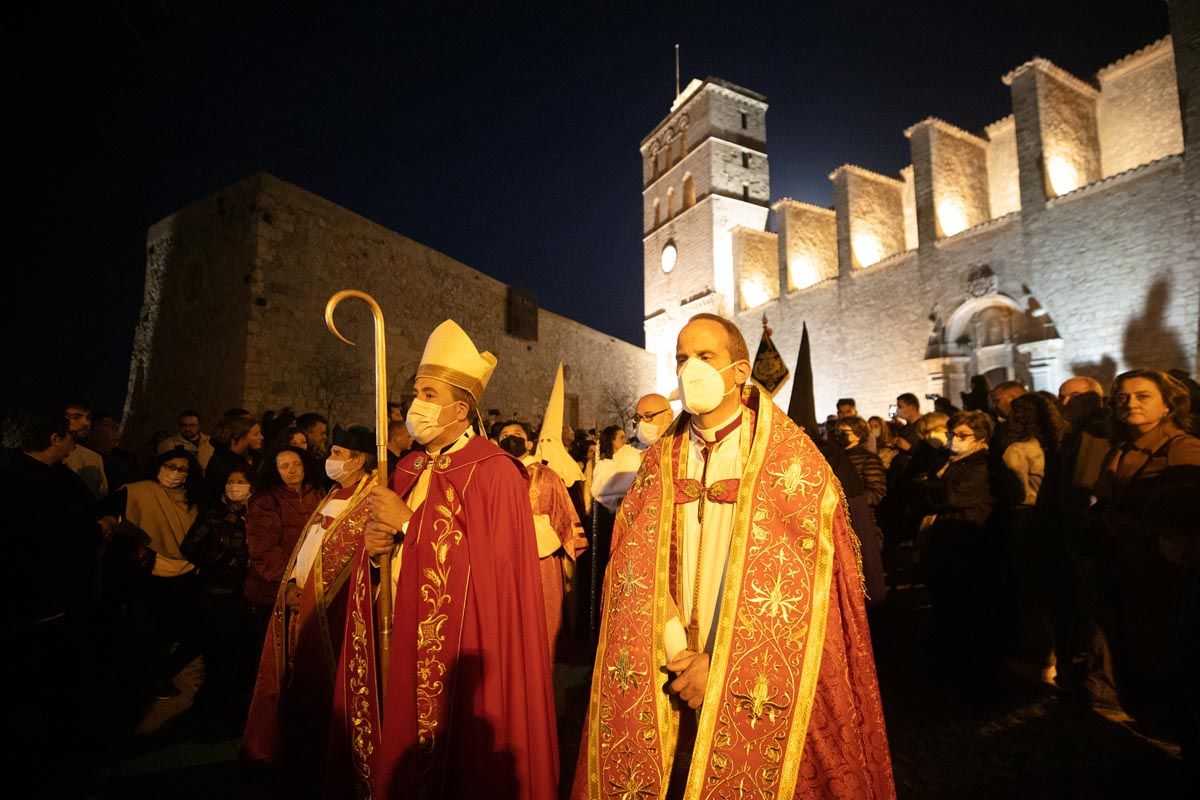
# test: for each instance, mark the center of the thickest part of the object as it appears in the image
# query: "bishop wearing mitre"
(469, 708)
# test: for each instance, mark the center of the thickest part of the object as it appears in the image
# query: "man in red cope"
(734, 570)
(469, 707)
(288, 721)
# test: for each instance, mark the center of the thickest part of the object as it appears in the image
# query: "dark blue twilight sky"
(503, 134)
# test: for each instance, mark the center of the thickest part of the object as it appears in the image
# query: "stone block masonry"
(234, 305)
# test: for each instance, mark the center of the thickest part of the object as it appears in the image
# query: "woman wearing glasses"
(168, 598)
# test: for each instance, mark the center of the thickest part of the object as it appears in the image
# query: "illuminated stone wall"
(911, 237)
(870, 215)
(1004, 188)
(756, 254)
(1138, 109)
(1075, 248)
(807, 243)
(272, 255)
(954, 163)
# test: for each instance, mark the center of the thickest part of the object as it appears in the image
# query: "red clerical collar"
(719, 435)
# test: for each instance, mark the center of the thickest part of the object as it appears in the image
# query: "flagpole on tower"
(677, 70)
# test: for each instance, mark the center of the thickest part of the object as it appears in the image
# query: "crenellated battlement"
(1060, 239)
(1064, 133)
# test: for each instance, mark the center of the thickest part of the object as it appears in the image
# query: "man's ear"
(742, 370)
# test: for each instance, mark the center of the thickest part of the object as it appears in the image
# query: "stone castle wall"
(295, 250)
(1062, 241)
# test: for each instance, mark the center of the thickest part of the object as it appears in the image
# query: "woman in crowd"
(1037, 551)
(883, 436)
(961, 558)
(852, 435)
(1147, 509)
(278, 511)
(908, 470)
(241, 452)
(216, 544)
(168, 603)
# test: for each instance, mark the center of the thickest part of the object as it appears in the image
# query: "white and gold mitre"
(450, 356)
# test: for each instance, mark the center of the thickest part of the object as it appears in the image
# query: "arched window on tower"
(670, 202)
(682, 144)
(657, 212)
(689, 191)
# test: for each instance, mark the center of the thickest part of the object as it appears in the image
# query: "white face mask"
(648, 432)
(701, 388)
(961, 446)
(237, 492)
(169, 479)
(335, 468)
(423, 421)
(938, 438)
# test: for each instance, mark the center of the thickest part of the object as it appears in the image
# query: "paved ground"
(1022, 741)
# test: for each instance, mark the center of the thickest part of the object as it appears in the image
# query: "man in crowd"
(120, 466)
(189, 437)
(908, 411)
(1002, 396)
(758, 617)
(653, 417)
(316, 432)
(399, 442)
(48, 616)
(469, 675)
(395, 411)
(82, 460)
(847, 408)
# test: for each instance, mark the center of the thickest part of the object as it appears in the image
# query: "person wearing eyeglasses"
(961, 558)
(168, 599)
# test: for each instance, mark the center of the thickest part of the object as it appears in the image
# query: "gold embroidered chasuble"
(791, 706)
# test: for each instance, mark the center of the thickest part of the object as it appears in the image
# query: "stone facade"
(233, 315)
(1064, 240)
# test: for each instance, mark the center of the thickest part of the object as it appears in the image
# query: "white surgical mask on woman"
(170, 479)
(701, 388)
(962, 446)
(938, 438)
(422, 421)
(237, 492)
(648, 432)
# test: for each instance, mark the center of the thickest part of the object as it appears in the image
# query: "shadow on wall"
(1148, 341)
(1104, 370)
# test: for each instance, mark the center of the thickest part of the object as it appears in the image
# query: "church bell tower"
(704, 172)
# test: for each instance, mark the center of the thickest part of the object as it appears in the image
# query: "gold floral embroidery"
(793, 477)
(622, 673)
(360, 739)
(630, 784)
(629, 580)
(760, 700)
(430, 639)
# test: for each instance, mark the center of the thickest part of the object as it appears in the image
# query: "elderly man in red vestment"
(734, 571)
(468, 708)
(289, 714)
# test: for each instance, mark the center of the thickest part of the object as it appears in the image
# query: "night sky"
(507, 139)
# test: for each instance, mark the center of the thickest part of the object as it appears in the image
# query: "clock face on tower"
(669, 256)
